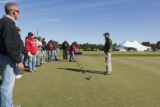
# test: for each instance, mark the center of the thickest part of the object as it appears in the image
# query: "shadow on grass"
(82, 71)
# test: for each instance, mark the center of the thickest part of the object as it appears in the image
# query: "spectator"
(50, 47)
(10, 44)
(55, 51)
(23, 52)
(72, 51)
(25, 60)
(107, 53)
(65, 47)
(44, 47)
(39, 47)
(31, 47)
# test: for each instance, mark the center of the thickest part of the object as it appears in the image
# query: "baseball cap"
(106, 34)
(30, 33)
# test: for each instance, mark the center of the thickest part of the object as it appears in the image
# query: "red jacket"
(31, 45)
(73, 48)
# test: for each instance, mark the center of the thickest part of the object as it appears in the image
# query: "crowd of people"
(33, 51)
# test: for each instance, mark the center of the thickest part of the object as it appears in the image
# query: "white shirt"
(10, 18)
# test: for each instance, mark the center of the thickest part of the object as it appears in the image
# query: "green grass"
(117, 53)
(133, 83)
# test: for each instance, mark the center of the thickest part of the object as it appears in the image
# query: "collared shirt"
(10, 18)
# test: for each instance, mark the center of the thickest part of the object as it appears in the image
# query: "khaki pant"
(108, 62)
(38, 57)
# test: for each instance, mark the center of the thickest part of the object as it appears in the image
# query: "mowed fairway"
(135, 82)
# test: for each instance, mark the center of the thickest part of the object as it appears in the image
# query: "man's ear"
(14, 12)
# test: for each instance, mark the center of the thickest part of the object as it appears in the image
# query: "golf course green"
(134, 82)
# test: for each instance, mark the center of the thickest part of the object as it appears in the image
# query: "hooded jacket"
(31, 45)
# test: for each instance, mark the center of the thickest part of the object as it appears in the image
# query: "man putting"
(107, 54)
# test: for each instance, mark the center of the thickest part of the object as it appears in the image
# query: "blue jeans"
(25, 61)
(32, 62)
(17, 72)
(72, 57)
(55, 54)
(8, 67)
(50, 54)
(43, 56)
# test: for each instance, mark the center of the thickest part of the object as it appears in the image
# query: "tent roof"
(136, 45)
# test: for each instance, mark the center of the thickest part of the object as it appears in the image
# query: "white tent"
(136, 45)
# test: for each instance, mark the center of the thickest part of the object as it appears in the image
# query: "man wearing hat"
(31, 48)
(23, 53)
(107, 53)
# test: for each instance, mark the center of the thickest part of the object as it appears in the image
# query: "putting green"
(133, 83)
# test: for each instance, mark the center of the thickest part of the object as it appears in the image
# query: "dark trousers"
(65, 55)
(25, 59)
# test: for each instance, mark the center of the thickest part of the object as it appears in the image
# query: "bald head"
(9, 7)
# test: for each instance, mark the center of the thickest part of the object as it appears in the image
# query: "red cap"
(30, 33)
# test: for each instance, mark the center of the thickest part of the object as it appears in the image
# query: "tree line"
(154, 46)
(94, 47)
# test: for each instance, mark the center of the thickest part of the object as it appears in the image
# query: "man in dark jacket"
(9, 53)
(107, 53)
(65, 47)
(23, 53)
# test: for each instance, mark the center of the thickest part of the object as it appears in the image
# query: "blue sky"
(86, 20)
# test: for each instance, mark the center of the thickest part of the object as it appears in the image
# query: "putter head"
(81, 67)
(89, 78)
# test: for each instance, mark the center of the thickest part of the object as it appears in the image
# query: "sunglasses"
(17, 11)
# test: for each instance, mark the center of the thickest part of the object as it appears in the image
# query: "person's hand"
(29, 54)
(20, 66)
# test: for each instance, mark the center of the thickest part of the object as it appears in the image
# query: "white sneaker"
(35, 70)
(18, 76)
(17, 106)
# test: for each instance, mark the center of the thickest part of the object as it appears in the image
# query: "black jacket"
(9, 41)
(108, 45)
(21, 47)
(44, 46)
(65, 45)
